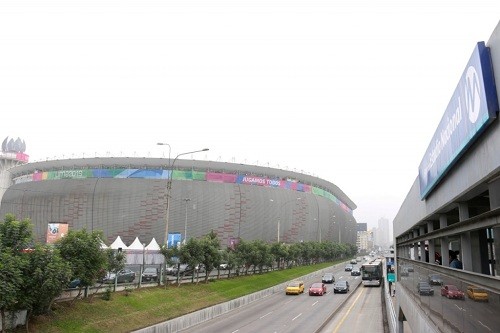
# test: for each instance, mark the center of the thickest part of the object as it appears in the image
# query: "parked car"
(451, 291)
(348, 268)
(328, 278)
(295, 288)
(477, 294)
(125, 275)
(169, 270)
(150, 274)
(424, 288)
(435, 279)
(224, 266)
(341, 287)
(355, 271)
(317, 288)
(75, 283)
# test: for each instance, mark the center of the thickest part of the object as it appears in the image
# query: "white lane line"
(234, 331)
(462, 309)
(315, 303)
(297, 316)
(267, 314)
(484, 326)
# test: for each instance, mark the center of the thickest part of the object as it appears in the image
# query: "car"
(477, 294)
(150, 274)
(224, 266)
(170, 270)
(424, 288)
(451, 291)
(328, 278)
(410, 268)
(348, 268)
(317, 288)
(341, 287)
(75, 283)
(404, 272)
(355, 271)
(125, 275)
(295, 288)
(353, 261)
(435, 279)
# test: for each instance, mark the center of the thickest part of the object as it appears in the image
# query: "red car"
(451, 291)
(317, 288)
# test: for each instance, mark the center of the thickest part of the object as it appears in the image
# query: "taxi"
(295, 288)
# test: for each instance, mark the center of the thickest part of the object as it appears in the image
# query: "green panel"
(199, 175)
(182, 175)
(391, 277)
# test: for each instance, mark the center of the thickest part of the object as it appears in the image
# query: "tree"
(46, 276)
(211, 256)
(16, 235)
(191, 254)
(83, 250)
(11, 286)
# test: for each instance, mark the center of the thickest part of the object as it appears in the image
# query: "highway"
(284, 313)
(361, 313)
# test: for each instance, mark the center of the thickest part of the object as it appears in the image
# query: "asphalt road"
(283, 313)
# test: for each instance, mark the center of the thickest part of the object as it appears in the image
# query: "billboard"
(174, 239)
(56, 231)
(473, 106)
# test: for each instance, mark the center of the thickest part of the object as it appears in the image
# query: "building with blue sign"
(452, 211)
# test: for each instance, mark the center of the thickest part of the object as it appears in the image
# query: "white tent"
(136, 245)
(103, 246)
(153, 246)
(118, 243)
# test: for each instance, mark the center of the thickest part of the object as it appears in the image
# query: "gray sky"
(350, 91)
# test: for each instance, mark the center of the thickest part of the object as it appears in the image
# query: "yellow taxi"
(477, 294)
(295, 288)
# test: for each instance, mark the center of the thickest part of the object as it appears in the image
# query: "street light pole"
(279, 218)
(169, 184)
(186, 221)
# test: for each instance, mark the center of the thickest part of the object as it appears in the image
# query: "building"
(453, 208)
(127, 197)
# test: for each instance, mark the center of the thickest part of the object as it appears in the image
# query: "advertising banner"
(56, 231)
(174, 239)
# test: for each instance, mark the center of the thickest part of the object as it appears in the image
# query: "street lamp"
(186, 221)
(169, 183)
(279, 216)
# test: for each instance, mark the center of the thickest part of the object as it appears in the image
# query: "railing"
(477, 311)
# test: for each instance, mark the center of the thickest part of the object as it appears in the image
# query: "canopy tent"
(118, 243)
(153, 246)
(136, 245)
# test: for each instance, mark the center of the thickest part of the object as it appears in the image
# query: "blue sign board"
(173, 239)
(473, 106)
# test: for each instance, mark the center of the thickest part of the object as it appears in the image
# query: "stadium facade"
(126, 197)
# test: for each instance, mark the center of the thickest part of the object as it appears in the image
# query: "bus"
(372, 273)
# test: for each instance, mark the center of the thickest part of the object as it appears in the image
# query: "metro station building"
(453, 208)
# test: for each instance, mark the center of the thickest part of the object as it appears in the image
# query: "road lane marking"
(348, 311)
(315, 303)
(484, 325)
(297, 316)
(267, 314)
(462, 309)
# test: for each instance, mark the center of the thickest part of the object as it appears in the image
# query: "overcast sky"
(349, 91)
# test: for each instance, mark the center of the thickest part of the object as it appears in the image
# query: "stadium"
(127, 197)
